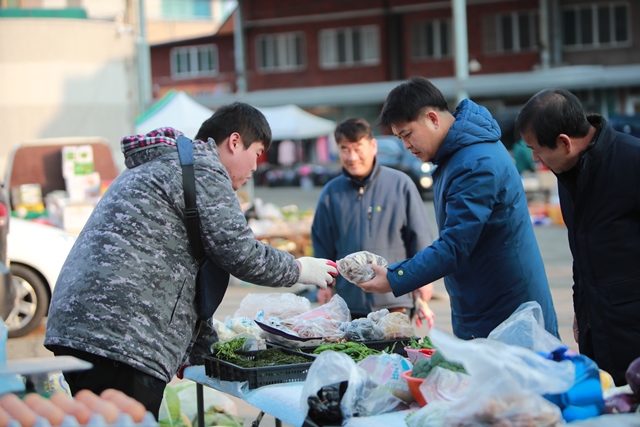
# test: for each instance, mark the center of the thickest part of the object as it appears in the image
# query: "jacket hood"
(473, 125)
(139, 149)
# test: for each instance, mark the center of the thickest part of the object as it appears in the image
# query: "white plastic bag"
(363, 397)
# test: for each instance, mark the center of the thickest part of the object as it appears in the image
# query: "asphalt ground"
(552, 240)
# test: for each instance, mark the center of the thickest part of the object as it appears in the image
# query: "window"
(512, 32)
(431, 39)
(194, 61)
(186, 9)
(596, 25)
(280, 52)
(340, 47)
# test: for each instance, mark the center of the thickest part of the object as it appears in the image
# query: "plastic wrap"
(354, 267)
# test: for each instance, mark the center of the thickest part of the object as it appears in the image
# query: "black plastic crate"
(259, 376)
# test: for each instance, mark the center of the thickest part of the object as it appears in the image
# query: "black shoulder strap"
(185, 152)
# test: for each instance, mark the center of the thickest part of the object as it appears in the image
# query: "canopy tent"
(176, 109)
(292, 122)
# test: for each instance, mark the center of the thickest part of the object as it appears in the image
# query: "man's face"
(558, 159)
(358, 157)
(422, 136)
(243, 162)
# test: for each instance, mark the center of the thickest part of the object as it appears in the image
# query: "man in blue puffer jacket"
(487, 251)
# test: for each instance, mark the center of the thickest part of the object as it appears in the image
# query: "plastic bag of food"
(363, 329)
(355, 267)
(396, 325)
(364, 395)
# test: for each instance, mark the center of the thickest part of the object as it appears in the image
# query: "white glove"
(316, 271)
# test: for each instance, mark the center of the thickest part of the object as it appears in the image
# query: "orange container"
(414, 387)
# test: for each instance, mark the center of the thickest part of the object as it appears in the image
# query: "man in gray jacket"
(125, 298)
(370, 208)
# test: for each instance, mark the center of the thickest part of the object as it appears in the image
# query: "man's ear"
(234, 142)
(433, 117)
(563, 141)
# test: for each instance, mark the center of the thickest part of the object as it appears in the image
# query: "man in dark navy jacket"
(486, 251)
(374, 208)
(598, 172)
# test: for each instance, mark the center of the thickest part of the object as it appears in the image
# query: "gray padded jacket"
(127, 288)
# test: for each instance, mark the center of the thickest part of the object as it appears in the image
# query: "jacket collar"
(367, 179)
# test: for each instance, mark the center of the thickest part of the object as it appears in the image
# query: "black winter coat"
(603, 222)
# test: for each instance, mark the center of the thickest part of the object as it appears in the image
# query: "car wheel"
(32, 301)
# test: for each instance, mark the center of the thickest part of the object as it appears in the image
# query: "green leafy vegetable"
(354, 350)
(423, 367)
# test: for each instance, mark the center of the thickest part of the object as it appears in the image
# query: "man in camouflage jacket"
(125, 298)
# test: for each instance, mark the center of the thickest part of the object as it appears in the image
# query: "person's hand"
(575, 328)
(317, 271)
(324, 295)
(423, 312)
(379, 284)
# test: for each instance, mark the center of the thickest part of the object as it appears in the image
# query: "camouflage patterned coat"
(127, 288)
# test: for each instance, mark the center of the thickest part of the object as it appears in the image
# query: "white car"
(36, 253)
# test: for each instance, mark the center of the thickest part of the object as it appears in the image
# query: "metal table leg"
(200, 403)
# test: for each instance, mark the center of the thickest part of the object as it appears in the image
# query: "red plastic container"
(414, 387)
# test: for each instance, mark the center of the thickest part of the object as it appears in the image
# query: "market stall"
(520, 373)
(283, 401)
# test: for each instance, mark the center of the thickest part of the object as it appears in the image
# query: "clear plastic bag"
(283, 305)
(506, 383)
(525, 328)
(355, 267)
(363, 329)
(396, 325)
(364, 396)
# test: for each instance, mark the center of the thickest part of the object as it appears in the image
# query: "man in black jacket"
(598, 180)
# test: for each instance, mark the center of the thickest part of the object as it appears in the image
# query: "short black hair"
(409, 99)
(550, 113)
(353, 129)
(239, 117)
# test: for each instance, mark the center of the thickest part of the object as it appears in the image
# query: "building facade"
(340, 58)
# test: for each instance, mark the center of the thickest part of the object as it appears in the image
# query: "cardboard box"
(67, 214)
(77, 160)
(83, 187)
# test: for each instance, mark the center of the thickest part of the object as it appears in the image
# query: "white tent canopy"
(292, 122)
(176, 109)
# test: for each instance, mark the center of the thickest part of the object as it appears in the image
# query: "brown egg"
(18, 410)
(126, 404)
(45, 408)
(75, 408)
(108, 410)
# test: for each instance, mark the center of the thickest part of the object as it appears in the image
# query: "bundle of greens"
(229, 352)
(423, 367)
(354, 350)
(417, 345)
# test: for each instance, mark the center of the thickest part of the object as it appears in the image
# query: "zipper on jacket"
(360, 193)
